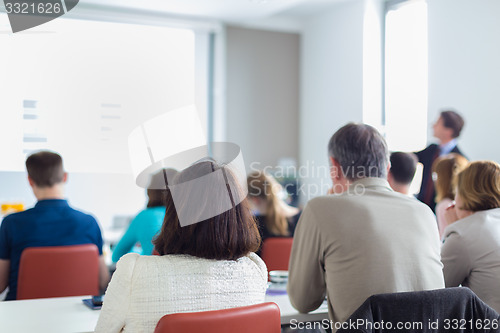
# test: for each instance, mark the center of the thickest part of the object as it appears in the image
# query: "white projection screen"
(80, 87)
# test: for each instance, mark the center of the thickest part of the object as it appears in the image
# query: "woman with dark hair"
(207, 265)
(147, 223)
(471, 248)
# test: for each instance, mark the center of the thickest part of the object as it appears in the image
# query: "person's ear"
(449, 132)
(31, 182)
(389, 176)
(335, 169)
(65, 177)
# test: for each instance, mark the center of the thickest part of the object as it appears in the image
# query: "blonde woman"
(445, 170)
(471, 248)
(274, 216)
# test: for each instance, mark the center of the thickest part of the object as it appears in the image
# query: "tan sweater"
(366, 241)
(471, 255)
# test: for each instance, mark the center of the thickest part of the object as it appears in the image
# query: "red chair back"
(262, 318)
(276, 253)
(58, 271)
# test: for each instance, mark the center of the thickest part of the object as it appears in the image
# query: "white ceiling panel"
(225, 10)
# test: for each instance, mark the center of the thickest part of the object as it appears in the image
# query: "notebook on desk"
(88, 302)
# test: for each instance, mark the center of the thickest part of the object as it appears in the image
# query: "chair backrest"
(58, 271)
(262, 318)
(276, 253)
(436, 310)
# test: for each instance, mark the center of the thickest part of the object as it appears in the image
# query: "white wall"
(331, 85)
(262, 94)
(464, 73)
(464, 69)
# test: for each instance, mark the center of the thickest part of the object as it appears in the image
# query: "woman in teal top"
(144, 226)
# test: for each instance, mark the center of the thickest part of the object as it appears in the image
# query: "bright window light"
(372, 61)
(406, 84)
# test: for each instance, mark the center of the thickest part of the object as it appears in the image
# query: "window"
(406, 85)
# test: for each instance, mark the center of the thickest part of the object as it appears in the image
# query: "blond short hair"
(479, 186)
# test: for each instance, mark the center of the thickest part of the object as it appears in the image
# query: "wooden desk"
(70, 315)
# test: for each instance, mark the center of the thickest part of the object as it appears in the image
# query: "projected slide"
(80, 87)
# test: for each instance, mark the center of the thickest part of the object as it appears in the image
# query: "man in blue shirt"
(52, 222)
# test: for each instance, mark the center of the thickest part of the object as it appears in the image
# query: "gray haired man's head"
(360, 150)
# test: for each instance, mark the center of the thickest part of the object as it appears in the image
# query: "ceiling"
(232, 11)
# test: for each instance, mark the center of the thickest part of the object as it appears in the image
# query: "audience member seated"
(402, 171)
(365, 239)
(447, 130)
(52, 222)
(147, 223)
(445, 169)
(209, 265)
(274, 217)
(471, 249)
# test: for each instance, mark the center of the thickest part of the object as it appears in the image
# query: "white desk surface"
(70, 315)
(64, 314)
(288, 312)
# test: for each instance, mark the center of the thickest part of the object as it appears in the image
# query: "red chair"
(58, 271)
(262, 318)
(276, 253)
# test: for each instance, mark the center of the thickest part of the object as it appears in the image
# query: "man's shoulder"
(79, 214)
(77, 218)
(83, 217)
(348, 203)
(29, 217)
(326, 201)
(411, 204)
(18, 216)
(428, 150)
(419, 206)
(324, 206)
(458, 151)
(354, 197)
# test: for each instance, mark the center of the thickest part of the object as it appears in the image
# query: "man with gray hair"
(365, 239)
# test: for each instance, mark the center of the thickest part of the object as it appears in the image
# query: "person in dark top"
(447, 130)
(52, 222)
(440, 310)
(275, 218)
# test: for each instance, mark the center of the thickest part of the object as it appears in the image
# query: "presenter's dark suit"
(427, 157)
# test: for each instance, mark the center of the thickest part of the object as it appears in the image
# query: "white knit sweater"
(145, 288)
